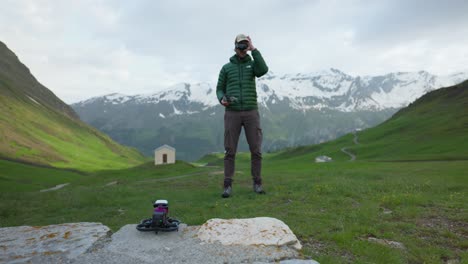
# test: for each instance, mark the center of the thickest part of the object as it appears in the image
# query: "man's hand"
(251, 46)
(224, 101)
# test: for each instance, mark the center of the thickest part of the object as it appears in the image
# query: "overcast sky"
(80, 49)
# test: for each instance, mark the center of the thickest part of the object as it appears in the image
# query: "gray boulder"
(24, 243)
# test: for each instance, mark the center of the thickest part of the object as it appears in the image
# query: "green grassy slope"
(434, 127)
(37, 127)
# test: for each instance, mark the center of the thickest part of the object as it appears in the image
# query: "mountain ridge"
(332, 89)
(189, 117)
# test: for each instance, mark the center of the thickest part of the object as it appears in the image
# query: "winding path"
(345, 149)
(60, 186)
(353, 157)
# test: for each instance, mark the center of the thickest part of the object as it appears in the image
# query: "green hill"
(37, 127)
(434, 127)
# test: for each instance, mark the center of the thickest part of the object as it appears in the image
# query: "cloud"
(80, 49)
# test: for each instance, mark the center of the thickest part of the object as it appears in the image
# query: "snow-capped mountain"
(197, 93)
(330, 89)
(295, 110)
(334, 89)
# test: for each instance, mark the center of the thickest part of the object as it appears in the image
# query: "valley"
(401, 200)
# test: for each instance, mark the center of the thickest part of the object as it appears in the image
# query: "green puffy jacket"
(237, 80)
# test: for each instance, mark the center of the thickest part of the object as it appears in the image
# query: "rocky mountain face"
(295, 110)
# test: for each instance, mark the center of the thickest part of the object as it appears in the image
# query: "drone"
(160, 220)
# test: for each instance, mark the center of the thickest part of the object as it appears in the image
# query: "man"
(236, 91)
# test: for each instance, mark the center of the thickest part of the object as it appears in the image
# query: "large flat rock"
(183, 246)
(259, 231)
(83, 243)
(26, 243)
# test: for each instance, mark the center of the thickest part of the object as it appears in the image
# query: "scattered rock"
(55, 188)
(248, 232)
(70, 240)
(386, 211)
(452, 261)
(292, 261)
(112, 183)
(459, 228)
(386, 242)
(323, 159)
(299, 261)
(355, 204)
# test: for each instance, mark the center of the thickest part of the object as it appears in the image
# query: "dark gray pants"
(233, 122)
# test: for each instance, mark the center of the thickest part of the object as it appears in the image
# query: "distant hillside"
(434, 127)
(37, 127)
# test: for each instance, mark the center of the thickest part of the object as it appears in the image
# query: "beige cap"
(240, 38)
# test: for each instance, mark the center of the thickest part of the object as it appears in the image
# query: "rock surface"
(84, 243)
(386, 242)
(60, 186)
(259, 231)
(182, 247)
(24, 243)
(323, 159)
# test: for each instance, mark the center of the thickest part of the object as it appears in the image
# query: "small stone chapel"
(165, 154)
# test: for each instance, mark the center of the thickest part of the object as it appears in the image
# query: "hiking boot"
(227, 192)
(258, 188)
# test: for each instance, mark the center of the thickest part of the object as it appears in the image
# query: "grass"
(408, 185)
(332, 207)
(33, 133)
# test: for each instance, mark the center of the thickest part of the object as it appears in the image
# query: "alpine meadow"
(361, 168)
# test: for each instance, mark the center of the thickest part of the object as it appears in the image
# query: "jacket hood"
(234, 59)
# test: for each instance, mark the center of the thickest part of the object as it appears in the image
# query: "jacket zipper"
(240, 85)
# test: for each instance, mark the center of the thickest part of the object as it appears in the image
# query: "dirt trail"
(345, 149)
(55, 188)
(351, 155)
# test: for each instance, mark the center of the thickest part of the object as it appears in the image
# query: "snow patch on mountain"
(200, 92)
(176, 111)
(328, 89)
(117, 98)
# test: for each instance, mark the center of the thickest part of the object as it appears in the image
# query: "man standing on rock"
(236, 91)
